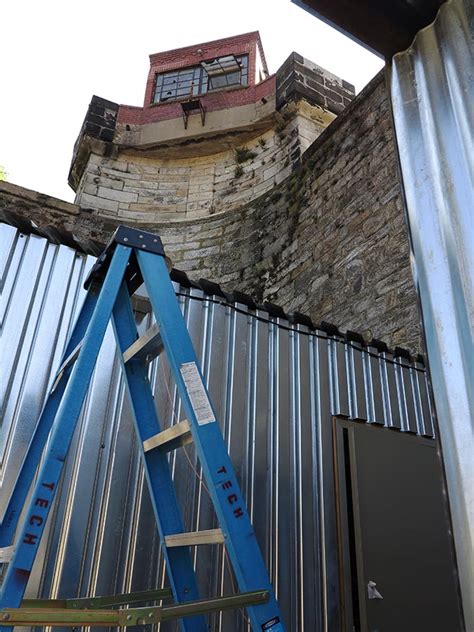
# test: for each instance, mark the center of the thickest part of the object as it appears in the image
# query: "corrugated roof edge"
(210, 288)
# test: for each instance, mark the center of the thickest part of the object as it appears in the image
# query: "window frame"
(198, 82)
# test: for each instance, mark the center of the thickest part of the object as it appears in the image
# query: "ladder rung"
(146, 347)
(6, 553)
(171, 438)
(210, 536)
(72, 357)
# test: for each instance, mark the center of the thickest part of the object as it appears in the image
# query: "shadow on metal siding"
(274, 386)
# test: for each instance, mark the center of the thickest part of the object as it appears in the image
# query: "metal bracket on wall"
(190, 107)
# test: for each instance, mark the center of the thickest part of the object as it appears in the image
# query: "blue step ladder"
(131, 258)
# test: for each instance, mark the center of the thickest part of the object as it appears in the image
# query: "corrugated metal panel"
(274, 385)
(433, 103)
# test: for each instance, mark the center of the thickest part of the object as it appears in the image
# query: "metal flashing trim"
(420, 359)
(179, 276)
(353, 336)
(274, 310)
(241, 297)
(402, 353)
(330, 329)
(301, 319)
(379, 345)
(209, 287)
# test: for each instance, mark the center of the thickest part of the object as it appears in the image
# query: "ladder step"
(6, 553)
(146, 347)
(210, 536)
(171, 438)
(72, 357)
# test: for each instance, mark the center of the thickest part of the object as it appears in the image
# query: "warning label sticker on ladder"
(273, 625)
(197, 393)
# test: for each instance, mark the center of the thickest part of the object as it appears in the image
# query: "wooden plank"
(171, 438)
(148, 346)
(210, 536)
(6, 553)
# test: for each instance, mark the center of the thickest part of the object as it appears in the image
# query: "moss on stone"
(244, 154)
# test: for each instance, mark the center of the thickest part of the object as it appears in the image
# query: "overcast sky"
(56, 54)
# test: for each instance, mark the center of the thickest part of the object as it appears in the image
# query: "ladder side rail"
(29, 537)
(40, 435)
(241, 544)
(168, 516)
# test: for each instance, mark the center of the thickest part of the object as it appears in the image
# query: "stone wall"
(140, 189)
(300, 78)
(330, 241)
(98, 127)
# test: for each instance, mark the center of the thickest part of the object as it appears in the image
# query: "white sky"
(56, 54)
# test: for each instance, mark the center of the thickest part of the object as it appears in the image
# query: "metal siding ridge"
(8, 236)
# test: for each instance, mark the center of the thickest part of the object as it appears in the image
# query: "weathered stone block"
(119, 196)
(92, 201)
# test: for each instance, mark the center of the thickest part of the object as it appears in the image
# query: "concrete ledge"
(14, 196)
(61, 222)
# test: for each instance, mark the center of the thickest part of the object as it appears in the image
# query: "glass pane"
(168, 94)
(233, 78)
(221, 65)
(218, 81)
(185, 75)
(227, 62)
(184, 84)
(169, 80)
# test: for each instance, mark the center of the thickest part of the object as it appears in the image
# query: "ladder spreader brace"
(133, 257)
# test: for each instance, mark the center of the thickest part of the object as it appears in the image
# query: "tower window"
(217, 74)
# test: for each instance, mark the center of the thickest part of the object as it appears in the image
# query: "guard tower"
(215, 131)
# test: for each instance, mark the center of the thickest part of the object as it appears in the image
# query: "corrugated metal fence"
(275, 386)
(432, 89)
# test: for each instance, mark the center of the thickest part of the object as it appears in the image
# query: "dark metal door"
(397, 559)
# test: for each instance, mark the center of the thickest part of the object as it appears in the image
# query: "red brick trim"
(212, 101)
